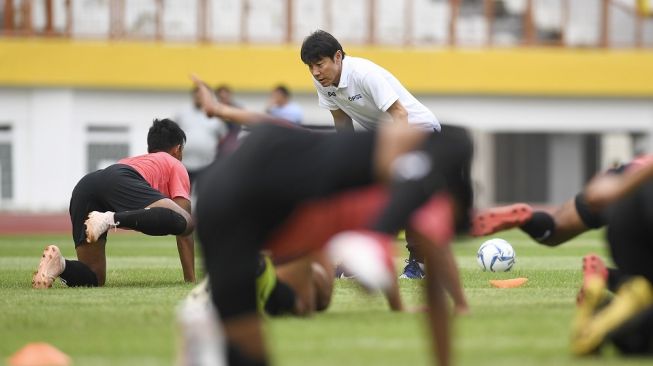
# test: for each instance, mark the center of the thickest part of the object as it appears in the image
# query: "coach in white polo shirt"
(357, 89)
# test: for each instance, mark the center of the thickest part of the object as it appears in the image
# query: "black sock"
(281, 300)
(78, 274)
(540, 227)
(237, 358)
(155, 221)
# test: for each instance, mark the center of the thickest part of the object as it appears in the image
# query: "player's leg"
(91, 256)
(414, 268)
(75, 272)
(160, 218)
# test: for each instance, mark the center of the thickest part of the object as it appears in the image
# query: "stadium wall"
(61, 99)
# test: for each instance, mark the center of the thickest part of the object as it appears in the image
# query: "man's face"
(326, 70)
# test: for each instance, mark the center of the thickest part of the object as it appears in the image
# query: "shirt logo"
(355, 97)
(331, 94)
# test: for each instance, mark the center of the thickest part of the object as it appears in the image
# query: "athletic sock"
(540, 227)
(78, 274)
(236, 357)
(155, 221)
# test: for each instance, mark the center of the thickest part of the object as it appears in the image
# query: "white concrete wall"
(49, 129)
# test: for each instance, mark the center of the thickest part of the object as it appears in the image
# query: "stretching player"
(626, 202)
(288, 191)
(353, 88)
(148, 193)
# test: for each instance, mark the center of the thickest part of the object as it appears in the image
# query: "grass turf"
(131, 320)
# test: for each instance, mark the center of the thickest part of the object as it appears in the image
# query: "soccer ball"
(495, 255)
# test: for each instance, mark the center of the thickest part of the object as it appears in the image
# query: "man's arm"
(342, 121)
(608, 188)
(398, 112)
(213, 108)
(186, 245)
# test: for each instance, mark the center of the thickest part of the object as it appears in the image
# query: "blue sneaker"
(414, 270)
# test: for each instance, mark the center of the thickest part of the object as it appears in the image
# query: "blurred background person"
(203, 135)
(280, 105)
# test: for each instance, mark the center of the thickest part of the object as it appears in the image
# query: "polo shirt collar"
(344, 74)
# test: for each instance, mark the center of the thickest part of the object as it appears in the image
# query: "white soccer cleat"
(97, 224)
(366, 255)
(50, 267)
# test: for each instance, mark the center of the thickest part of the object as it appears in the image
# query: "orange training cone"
(510, 283)
(38, 354)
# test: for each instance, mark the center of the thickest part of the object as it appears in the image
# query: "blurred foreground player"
(626, 201)
(288, 191)
(148, 193)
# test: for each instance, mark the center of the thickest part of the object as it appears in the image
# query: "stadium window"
(6, 165)
(106, 145)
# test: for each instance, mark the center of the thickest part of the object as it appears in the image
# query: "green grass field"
(131, 320)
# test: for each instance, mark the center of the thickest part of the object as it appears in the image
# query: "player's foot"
(50, 267)
(97, 224)
(366, 255)
(633, 297)
(414, 270)
(501, 218)
(593, 266)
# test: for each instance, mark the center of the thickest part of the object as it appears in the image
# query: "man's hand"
(209, 104)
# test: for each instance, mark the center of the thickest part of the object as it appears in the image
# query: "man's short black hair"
(164, 135)
(318, 45)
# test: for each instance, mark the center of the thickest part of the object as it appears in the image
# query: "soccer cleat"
(414, 270)
(593, 266)
(50, 267)
(633, 297)
(501, 218)
(366, 255)
(97, 224)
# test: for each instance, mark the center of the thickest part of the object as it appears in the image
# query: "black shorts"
(630, 232)
(117, 188)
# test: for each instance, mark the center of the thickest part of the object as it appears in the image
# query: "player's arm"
(398, 112)
(186, 245)
(213, 108)
(342, 121)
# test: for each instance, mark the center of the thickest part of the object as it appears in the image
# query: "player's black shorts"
(117, 188)
(630, 232)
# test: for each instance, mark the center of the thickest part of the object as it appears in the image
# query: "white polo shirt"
(366, 91)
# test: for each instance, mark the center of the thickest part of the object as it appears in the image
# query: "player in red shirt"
(148, 193)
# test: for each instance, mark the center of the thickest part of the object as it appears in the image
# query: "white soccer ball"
(496, 255)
